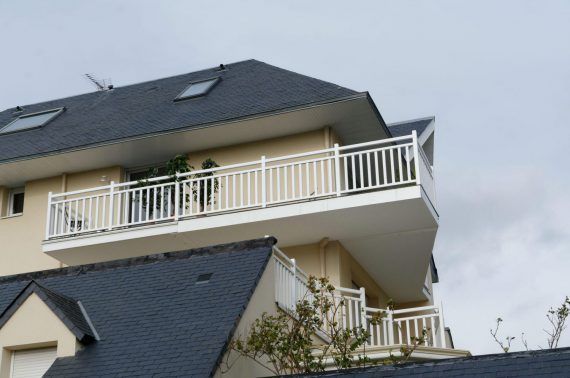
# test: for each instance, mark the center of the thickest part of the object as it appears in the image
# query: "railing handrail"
(390, 331)
(289, 261)
(290, 178)
(238, 165)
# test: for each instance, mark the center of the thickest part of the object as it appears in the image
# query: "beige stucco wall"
(293, 144)
(330, 259)
(262, 300)
(34, 325)
(21, 236)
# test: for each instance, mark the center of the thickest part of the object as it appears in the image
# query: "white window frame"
(11, 195)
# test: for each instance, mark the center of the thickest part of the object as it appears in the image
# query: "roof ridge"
(140, 260)
(130, 85)
(45, 288)
(57, 303)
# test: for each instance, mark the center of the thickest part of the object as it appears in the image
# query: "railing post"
(363, 320)
(337, 169)
(263, 183)
(441, 326)
(294, 286)
(177, 198)
(111, 204)
(416, 156)
(390, 327)
(48, 218)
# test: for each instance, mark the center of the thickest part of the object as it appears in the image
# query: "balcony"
(397, 326)
(373, 195)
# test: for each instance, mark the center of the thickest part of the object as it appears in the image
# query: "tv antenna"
(100, 84)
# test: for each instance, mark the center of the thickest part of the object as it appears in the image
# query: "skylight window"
(197, 89)
(30, 121)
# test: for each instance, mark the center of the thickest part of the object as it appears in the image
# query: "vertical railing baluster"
(329, 175)
(96, 212)
(408, 169)
(384, 168)
(337, 169)
(176, 199)
(400, 169)
(416, 156)
(376, 168)
(363, 321)
(111, 203)
(361, 170)
(286, 189)
(307, 179)
(369, 170)
(263, 183)
(48, 215)
(227, 189)
(293, 190)
(300, 180)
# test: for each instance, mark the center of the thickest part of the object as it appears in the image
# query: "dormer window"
(198, 89)
(31, 121)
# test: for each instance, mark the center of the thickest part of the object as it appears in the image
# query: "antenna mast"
(100, 84)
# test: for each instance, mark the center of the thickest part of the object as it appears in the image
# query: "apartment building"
(274, 153)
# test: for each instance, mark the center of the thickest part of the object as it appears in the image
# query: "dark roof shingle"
(152, 319)
(543, 363)
(246, 88)
(406, 127)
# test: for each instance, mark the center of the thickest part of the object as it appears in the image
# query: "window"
(30, 121)
(32, 363)
(16, 201)
(197, 89)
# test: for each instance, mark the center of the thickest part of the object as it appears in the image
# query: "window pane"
(29, 122)
(18, 203)
(198, 89)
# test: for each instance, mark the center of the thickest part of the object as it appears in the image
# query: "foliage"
(286, 344)
(557, 318)
(202, 193)
(174, 167)
(505, 345)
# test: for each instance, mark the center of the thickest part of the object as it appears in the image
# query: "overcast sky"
(495, 74)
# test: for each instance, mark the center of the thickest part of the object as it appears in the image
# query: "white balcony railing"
(396, 326)
(331, 172)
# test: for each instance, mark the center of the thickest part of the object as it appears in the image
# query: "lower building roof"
(168, 314)
(539, 363)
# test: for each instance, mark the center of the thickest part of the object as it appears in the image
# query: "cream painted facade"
(21, 235)
(33, 326)
(19, 253)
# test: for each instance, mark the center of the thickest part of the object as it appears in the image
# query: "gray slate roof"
(541, 363)
(246, 88)
(406, 127)
(67, 309)
(152, 317)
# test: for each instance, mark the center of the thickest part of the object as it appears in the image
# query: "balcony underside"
(390, 232)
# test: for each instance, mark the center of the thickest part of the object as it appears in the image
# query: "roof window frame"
(56, 111)
(215, 81)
